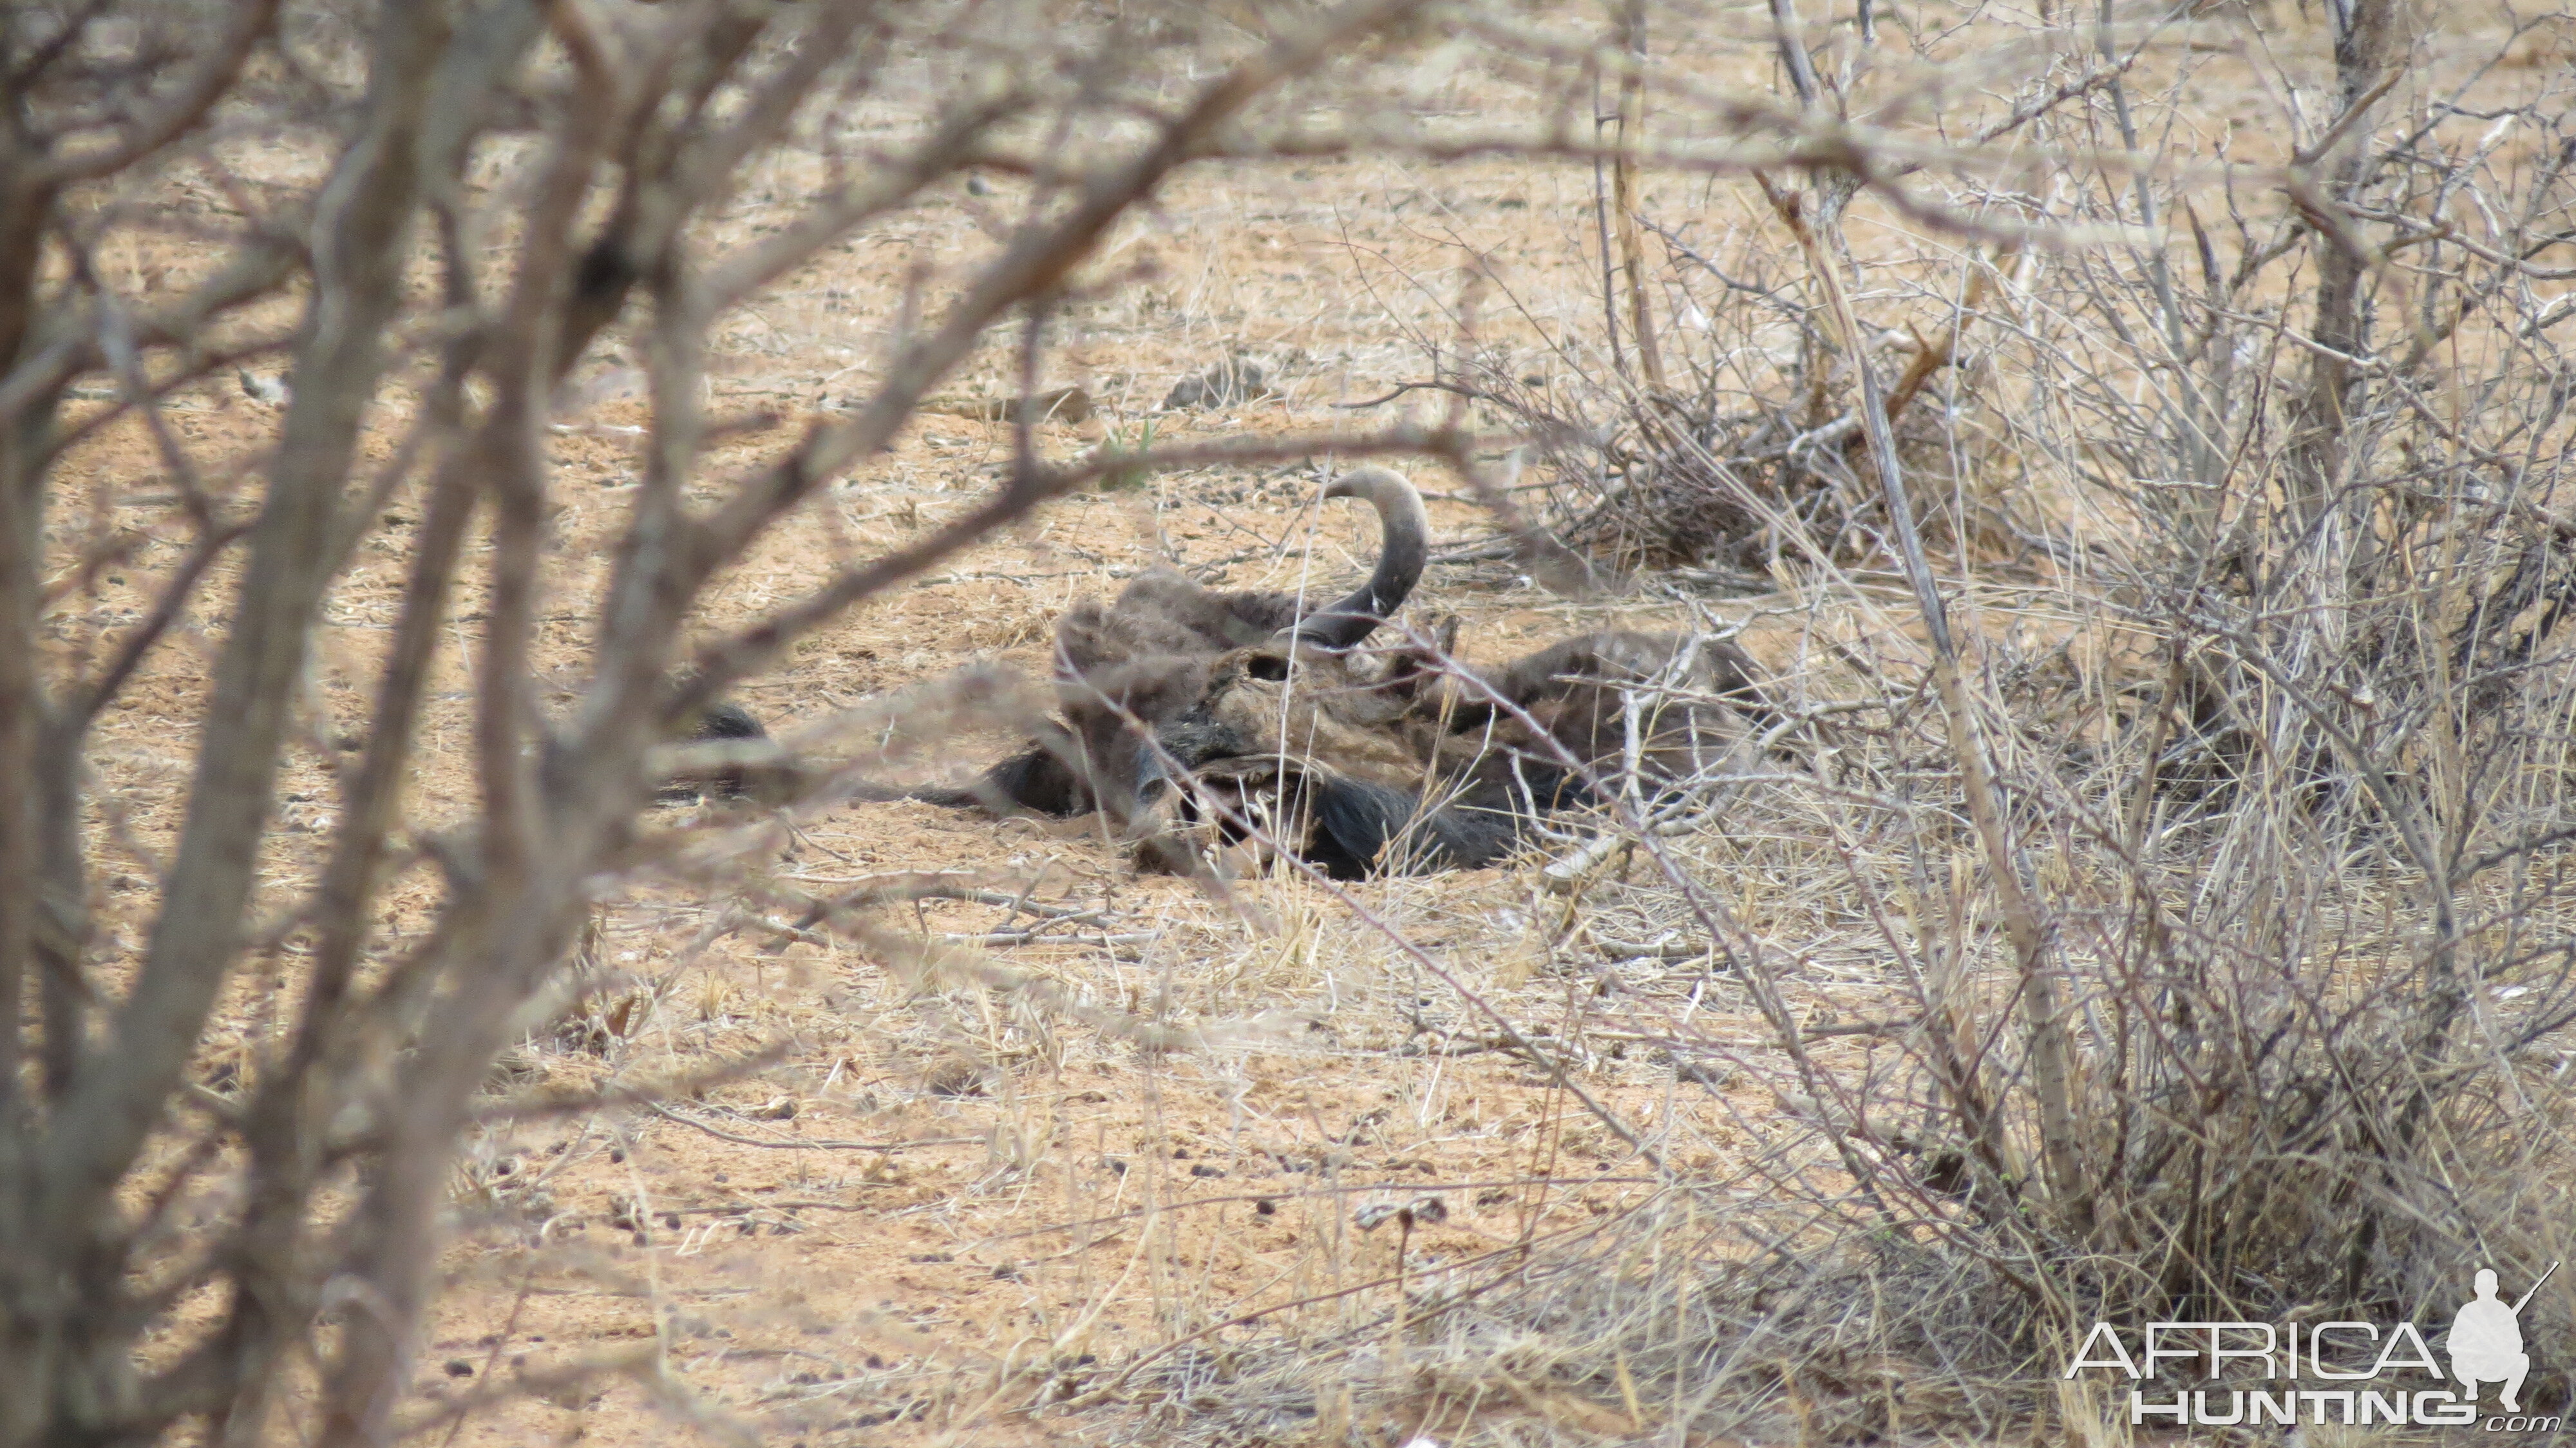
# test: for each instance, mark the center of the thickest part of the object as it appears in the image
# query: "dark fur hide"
(722, 722)
(1361, 764)
(1125, 668)
(1199, 719)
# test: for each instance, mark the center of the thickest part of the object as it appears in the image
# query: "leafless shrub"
(1750, 447)
(2231, 948)
(233, 1086)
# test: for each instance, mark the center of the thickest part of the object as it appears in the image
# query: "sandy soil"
(933, 1206)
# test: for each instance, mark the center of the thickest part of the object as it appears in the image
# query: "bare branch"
(193, 97)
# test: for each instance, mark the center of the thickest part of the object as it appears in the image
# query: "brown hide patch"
(1280, 732)
(1619, 702)
(1615, 702)
(1339, 710)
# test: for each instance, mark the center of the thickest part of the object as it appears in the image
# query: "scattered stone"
(1056, 404)
(1230, 383)
(1422, 1211)
(956, 1076)
(261, 388)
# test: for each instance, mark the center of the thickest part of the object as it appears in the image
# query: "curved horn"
(1404, 545)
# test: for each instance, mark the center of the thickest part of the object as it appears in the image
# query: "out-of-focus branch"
(958, 139)
(364, 222)
(73, 339)
(173, 597)
(1035, 262)
(1790, 36)
(746, 653)
(191, 100)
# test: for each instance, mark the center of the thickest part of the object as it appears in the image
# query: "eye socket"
(1270, 668)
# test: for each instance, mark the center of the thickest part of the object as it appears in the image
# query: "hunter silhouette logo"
(2486, 1340)
(2354, 1373)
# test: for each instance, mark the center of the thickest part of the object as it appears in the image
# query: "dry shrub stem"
(2268, 813)
(385, 1055)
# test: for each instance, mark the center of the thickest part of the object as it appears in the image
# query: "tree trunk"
(2341, 326)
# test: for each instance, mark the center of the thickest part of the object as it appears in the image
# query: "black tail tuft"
(718, 723)
(727, 720)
